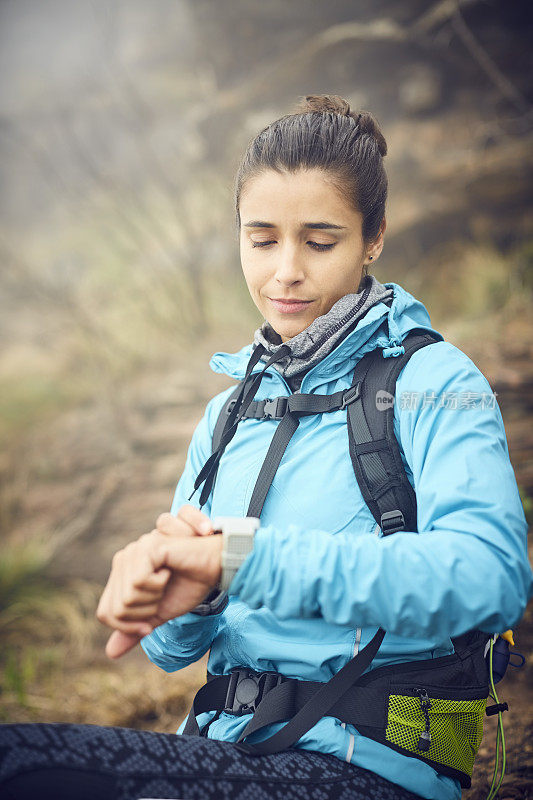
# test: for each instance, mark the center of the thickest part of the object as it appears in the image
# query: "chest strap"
(374, 449)
(294, 407)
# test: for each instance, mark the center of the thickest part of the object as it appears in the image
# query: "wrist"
(215, 600)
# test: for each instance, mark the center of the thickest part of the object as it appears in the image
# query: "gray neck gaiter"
(317, 340)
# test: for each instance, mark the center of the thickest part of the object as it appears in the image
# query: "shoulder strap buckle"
(351, 394)
(392, 521)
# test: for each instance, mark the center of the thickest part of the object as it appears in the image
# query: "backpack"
(432, 710)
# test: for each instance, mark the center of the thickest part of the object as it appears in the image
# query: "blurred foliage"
(477, 284)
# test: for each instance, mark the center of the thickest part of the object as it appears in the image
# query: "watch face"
(246, 525)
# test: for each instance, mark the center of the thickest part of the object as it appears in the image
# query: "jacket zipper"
(441, 692)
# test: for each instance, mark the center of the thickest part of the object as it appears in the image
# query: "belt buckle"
(247, 688)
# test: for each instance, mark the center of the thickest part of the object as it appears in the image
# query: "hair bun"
(324, 103)
(368, 124)
(334, 104)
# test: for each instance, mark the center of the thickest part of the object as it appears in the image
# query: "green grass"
(22, 573)
(27, 399)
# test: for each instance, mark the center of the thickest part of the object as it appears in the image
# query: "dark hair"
(324, 133)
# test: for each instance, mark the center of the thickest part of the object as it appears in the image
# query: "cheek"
(343, 273)
(332, 279)
(254, 274)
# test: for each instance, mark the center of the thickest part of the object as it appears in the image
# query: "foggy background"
(121, 128)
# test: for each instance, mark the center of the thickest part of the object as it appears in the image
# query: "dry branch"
(377, 30)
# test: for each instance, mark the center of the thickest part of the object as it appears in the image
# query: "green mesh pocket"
(456, 728)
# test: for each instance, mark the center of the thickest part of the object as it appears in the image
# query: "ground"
(94, 489)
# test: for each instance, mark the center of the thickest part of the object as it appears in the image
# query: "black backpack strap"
(245, 396)
(272, 697)
(288, 409)
(296, 405)
(225, 411)
(374, 449)
(274, 408)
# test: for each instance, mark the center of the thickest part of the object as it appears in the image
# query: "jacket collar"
(382, 326)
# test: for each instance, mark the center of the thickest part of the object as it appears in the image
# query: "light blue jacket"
(321, 578)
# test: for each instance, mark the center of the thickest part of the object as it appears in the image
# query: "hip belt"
(418, 708)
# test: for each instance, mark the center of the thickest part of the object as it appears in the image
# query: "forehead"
(305, 195)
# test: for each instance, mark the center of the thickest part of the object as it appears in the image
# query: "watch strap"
(215, 602)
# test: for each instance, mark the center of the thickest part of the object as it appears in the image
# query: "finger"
(103, 605)
(129, 602)
(135, 627)
(138, 570)
(155, 582)
(199, 521)
(172, 526)
(141, 613)
(120, 643)
(120, 590)
(143, 597)
(112, 589)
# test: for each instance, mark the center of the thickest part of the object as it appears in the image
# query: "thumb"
(120, 643)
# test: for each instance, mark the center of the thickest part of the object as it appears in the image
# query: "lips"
(290, 306)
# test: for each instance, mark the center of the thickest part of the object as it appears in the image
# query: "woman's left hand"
(194, 563)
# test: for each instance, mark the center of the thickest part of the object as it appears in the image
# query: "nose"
(289, 267)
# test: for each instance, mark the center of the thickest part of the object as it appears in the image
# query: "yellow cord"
(500, 737)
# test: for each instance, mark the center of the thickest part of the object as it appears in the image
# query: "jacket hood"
(382, 326)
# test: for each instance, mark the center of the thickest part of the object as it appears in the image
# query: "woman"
(317, 578)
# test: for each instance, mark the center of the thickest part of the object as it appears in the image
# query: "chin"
(288, 333)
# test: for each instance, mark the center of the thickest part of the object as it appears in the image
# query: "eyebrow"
(310, 225)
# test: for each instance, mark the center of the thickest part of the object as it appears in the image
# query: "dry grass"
(53, 667)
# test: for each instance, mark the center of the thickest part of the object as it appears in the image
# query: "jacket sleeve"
(183, 640)
(467, 565)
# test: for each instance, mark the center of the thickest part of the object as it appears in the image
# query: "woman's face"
(300, 240)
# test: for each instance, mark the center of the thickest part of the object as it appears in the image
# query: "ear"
(377, 245)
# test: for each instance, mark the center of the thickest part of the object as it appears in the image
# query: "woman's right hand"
(131, 599)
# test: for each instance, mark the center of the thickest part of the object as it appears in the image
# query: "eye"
(318, 246)
(315, 245)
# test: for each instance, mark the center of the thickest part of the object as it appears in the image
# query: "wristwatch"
(237, 541)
